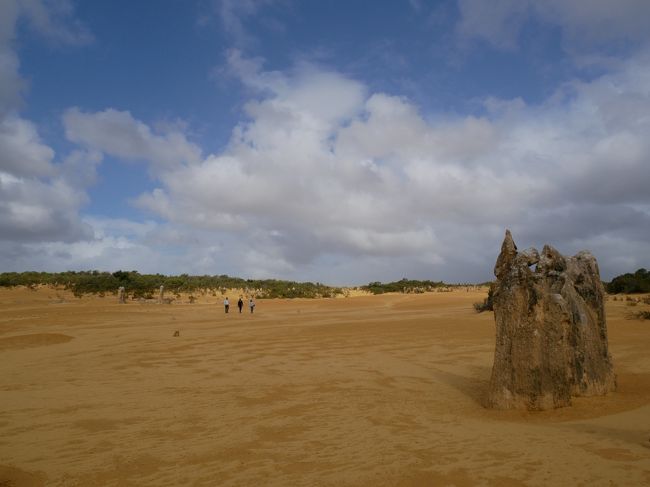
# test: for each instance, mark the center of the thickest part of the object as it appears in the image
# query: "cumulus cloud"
(366, 187)
(39, 199)
(117, 133)
(324, 175)
(148, 247)
(325, 180)
(33, 210)
(102, 250)
(23, 153)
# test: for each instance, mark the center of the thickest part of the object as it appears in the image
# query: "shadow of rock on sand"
(14, 477)
(33, 340)
(458, 477)
(474, 386)
(626, 434)
(633, 393)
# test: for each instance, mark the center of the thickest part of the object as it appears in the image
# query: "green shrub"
(488, 303)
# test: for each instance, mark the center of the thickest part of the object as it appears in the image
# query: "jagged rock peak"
(551, 334)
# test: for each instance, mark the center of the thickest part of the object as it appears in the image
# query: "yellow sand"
(364, 391)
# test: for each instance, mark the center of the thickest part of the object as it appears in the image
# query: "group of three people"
(240, 304)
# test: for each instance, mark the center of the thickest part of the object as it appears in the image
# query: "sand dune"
(365, 391)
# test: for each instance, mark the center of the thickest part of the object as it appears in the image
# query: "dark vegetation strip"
(403, 286)
(145, 285)
(138, 285)
(638, 282)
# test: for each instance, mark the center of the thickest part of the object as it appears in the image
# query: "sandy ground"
(365, 391)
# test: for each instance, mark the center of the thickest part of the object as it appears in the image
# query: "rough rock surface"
(551, 334)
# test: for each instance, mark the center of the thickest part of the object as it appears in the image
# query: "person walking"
(251, 303)
(240, 303)
(226, 304)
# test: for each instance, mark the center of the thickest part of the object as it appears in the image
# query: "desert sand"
(362, 391)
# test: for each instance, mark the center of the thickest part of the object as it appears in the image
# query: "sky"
(342, 142)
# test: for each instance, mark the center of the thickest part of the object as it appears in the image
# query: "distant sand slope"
(371, 391)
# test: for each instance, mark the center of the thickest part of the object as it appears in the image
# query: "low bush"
(487, 304)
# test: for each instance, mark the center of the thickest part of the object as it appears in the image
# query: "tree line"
(138, 285)
(403, 286)
(637, 282)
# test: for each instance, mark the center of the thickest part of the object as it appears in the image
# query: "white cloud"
(328, 182)
(111, 244)
(306, 183)
(324, 180)
(117, 133)
(39, 199)
(23, 153)
(35, 210)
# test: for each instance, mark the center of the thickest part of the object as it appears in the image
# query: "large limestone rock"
(551, 334)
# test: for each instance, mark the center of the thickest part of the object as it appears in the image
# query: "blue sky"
(341, 142)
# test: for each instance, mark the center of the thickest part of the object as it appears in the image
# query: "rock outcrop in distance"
(551, 333)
